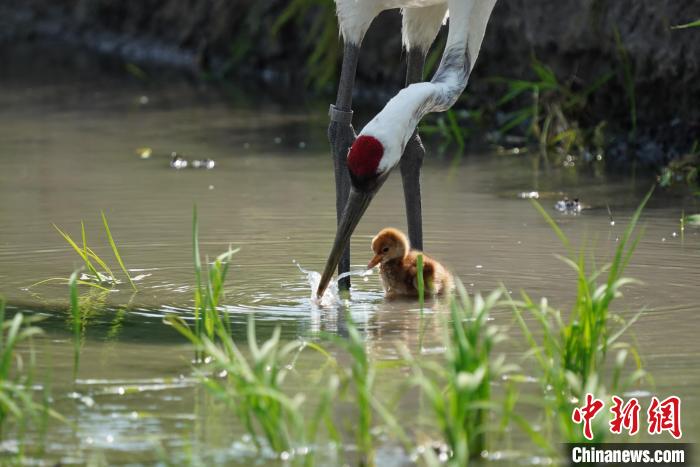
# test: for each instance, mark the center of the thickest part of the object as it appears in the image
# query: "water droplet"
(211, 187)
(121, 391)
(663, 239)
(88, 401)
(612, 222)
(479, 266)
(110, 438)
(674, 234)
(143, 100)
(284, 455)
(278, 140)
(365, 279)
(302, 144)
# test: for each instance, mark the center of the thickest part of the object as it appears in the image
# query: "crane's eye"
(385, 249)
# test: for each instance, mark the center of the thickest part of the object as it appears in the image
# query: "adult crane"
(362, 163)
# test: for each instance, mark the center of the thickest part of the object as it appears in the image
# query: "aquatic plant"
(420, 282)
(208, 294)
(252, 388)
(571, 355)
(458, 388)
(102, 278)
(77, 322)
(17, 401)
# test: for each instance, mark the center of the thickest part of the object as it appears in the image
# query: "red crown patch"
(364, 156)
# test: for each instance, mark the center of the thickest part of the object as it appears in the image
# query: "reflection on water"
(66, 153)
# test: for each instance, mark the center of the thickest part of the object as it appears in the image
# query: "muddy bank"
(576, 38)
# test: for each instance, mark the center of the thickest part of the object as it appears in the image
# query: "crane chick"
(399, 270)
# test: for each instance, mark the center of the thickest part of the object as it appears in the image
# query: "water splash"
(331, 296)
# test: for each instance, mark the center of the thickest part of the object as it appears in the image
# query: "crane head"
(367, 176)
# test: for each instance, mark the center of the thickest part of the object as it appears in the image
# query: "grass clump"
(250, 386)
(458, 388)
(552, 116)
(18, 407)
(571, 354)
(209, 293)
(98, 274)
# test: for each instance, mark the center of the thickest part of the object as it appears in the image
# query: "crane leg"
(412, 160)
(341, 135)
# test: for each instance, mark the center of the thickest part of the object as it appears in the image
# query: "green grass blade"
(553, 224)
(75, 317)
(116, 250)
(421, 282)
(694, 24)
(76, 248)
(85, 255)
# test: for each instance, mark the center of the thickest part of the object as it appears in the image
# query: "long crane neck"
(395, 124)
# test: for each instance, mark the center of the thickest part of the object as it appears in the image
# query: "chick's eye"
(385, 249)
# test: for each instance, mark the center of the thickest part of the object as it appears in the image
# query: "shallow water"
(69, 151)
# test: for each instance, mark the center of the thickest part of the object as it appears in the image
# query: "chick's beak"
(354, 209)
(376, 260)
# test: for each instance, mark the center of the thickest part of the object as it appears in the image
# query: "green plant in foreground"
(458, 389)
(77, 323)
(252, 388)
(572, 354)
(208, 294)
(17, 403)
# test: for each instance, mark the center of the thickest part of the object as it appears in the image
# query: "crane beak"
(354, 209)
